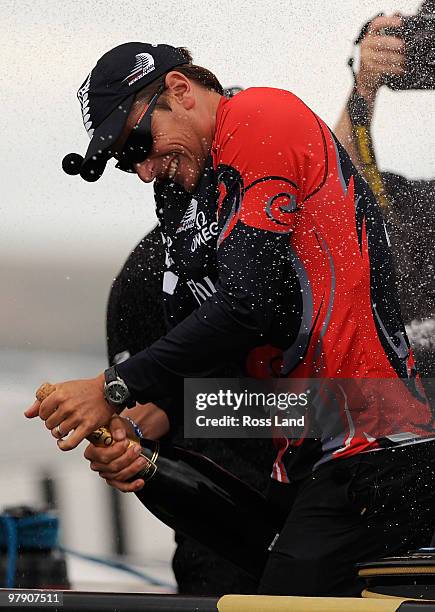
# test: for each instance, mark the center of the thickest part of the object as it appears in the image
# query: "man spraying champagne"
(303, 288)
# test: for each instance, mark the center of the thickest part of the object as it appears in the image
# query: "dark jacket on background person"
(136, 318)
(411, 227)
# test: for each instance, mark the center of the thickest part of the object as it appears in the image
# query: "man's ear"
(180, 88)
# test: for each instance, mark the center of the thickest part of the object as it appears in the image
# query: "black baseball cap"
(107, 94)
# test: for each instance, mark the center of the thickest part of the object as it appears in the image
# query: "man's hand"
(380, 56)
(151, 419)
(77, 405)
(119, 462)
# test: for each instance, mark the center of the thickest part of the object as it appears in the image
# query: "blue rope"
(117, 565)
(10, 527)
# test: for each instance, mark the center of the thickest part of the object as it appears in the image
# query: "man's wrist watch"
(116, 391)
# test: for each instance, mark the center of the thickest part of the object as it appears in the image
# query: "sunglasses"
(139, 143)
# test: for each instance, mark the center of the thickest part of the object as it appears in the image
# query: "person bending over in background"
(135, 319)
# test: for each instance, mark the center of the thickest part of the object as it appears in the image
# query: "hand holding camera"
(398, 51)
(381, 56)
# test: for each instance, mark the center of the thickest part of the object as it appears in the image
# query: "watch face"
(116, 392)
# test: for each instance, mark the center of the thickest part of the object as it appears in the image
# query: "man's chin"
(189, 184)
(186, 185)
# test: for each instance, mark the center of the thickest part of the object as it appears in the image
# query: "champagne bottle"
(195, 496)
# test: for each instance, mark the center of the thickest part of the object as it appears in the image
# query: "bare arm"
(151, 420)
(380, 55)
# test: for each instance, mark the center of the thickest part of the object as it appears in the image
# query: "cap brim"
(103, 138)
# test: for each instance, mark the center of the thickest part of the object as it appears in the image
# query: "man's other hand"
(381, 55)
(151, 419)
(121, 461)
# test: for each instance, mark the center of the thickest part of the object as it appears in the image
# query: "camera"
(418, 33)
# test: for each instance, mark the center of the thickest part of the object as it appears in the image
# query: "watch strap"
(111, 375)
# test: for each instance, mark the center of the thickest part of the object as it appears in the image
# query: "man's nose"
(146, 170)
